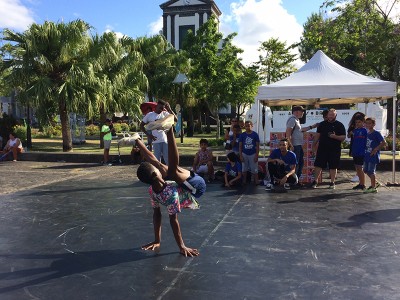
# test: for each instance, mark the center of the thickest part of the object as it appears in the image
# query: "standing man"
(158, 137)
(106, 131)
(330, 135)
(294, 135)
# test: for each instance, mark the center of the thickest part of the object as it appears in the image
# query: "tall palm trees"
(62, 68)
(49, 66)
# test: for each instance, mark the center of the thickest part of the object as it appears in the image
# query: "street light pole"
(181, 79)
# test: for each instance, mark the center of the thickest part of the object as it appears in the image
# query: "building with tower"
(180, 16)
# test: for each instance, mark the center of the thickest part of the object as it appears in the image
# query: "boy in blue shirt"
(359, 142)
(233, 171)
(375, 142)
(249, 147)
(282, 166)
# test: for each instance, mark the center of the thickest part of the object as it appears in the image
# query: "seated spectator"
(13, 146)
(233, 171)
(237, 131)
(203, 161)
(282, 167)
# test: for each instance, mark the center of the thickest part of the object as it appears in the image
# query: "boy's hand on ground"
(186, 251)
(153, 246)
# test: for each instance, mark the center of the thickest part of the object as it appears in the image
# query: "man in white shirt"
(159, 138)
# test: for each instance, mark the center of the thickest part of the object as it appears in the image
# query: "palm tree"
(158, 58)
(119, 68)
(49, 64)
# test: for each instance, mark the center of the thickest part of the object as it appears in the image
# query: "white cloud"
(258, 21)
(156, 26)
(14, 15)
(110, 28)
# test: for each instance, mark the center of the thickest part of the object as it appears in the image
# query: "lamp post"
(181, 79)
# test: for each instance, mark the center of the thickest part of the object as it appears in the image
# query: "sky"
(255, 21)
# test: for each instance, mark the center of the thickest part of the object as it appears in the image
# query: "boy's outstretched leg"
(148, 155)
(175, 172)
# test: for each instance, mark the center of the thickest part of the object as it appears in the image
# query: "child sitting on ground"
(176, 194)
(282, 167)
(375, 142)
(203, 161)
(233, 171)
(13, 147)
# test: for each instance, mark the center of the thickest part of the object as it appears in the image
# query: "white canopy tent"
(322, 81)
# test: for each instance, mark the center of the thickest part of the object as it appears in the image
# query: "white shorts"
(107, 144)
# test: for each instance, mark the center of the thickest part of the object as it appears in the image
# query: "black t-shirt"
(324, 129)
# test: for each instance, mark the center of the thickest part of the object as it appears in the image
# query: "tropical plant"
(49, 65)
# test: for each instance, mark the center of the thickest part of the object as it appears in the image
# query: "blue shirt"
(359, 142)
(233, 170)
(289, 159)
(374, 138)
(249, 142)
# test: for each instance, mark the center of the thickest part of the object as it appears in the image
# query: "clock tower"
(180, 16)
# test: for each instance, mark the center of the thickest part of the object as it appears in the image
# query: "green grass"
(189, 147)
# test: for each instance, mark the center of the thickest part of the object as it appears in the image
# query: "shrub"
(20, 132)
(216, 142)
(92, 129)
(124, 127)
(346, 145)
(119, 127)
(389, 141)
(50, 131)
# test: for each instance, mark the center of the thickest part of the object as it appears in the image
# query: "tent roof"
(321, 80)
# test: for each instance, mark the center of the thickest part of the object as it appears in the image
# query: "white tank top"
(13, 142)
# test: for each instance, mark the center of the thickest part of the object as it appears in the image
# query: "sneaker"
(14, 160)
(332, 186)
(129, 140)
(269, 187)
(359, 187)
(370, 190)
(355, 179)
(314, 184)
(161, 124)
(286, 186)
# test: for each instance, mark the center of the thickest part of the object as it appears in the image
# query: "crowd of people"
(285, 164)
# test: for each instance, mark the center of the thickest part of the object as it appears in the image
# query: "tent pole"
(394, 140)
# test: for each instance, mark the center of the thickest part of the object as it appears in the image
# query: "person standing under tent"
(295, 137)
(327, 146)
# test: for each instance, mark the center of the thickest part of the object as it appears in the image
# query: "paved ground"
(73, 231)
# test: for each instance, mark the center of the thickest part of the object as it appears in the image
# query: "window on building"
(183, 31)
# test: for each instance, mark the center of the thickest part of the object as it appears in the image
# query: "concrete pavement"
(74, 231)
